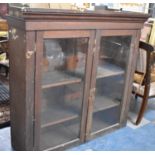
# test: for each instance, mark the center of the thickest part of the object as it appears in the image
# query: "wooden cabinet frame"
(27, 29)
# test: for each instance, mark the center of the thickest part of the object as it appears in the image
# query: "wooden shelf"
(108, 69)
(105, 119)
(103, 102)
(60, 134)
(59, 121)
(57, 78)
(59, 113)
(105, 70)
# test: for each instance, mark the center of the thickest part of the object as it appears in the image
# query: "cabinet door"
(111, 80)
(62, 59)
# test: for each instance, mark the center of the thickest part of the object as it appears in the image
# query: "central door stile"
(89, 63)
(92, 89)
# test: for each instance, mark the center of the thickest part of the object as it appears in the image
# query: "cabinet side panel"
(17, 87)
(30, 68)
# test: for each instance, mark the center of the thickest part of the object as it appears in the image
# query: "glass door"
(109, 78)
(61, 67)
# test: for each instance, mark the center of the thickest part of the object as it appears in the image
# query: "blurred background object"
(4, 9)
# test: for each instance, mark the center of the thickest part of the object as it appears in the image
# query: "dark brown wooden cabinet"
(70, 74)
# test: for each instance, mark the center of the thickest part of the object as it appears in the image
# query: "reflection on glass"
(113, 57)
(63, 67)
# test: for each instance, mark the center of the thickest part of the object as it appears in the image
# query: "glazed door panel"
(63, 60)
(83, 80)
(109, 80)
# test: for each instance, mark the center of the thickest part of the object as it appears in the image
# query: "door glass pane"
(63, 73)
(110, 80)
